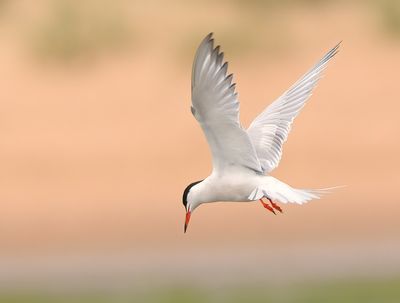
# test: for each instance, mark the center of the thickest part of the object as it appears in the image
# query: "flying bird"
(243, 158)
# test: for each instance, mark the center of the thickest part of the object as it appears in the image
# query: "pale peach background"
(95, 152)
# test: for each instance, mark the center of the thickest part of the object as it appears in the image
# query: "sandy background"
(97, 142)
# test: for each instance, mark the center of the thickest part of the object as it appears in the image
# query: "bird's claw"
(276, 206)
(267, 206)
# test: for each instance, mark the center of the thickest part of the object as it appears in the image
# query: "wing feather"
(270, 129)
(215, 106)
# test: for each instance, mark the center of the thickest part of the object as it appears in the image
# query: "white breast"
(233, 186)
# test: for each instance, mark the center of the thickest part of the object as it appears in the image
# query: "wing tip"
(332, 52)
(207, 39)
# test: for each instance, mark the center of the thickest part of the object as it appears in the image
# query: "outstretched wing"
(216, 107)
(270, 129)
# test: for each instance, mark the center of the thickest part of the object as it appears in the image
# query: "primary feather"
(216, 107)
(270, 129)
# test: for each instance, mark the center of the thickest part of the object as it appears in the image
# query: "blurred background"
(97, 144)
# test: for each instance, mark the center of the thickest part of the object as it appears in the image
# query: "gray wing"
(270, 129)
(216, 107)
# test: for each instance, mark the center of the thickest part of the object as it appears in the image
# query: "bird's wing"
(216, 107)
(270, 129)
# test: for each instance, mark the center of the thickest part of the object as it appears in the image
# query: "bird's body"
(243, 159)
(234, 184)
(244, 185)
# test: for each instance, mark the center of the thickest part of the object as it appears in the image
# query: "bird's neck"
(202, 193)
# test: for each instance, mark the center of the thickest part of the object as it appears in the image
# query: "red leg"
(267, 206)
(277, 207)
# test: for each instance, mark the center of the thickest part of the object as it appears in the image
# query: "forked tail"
(281, 192)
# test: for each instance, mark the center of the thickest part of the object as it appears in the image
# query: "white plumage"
(270, 129)
(241, 158)
(216, 108)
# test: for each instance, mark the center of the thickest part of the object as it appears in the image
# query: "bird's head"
(189, 203)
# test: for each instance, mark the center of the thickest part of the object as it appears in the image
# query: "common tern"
(243, 159)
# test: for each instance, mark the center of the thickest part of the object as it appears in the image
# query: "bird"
(242, 159)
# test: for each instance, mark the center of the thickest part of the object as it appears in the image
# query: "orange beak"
(186, 221)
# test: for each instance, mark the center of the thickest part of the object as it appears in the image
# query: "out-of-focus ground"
(97, 143)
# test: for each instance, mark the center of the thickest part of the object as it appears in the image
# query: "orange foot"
(275, 206)
(267, 206)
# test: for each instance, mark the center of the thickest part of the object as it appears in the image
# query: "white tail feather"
(280, 192)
